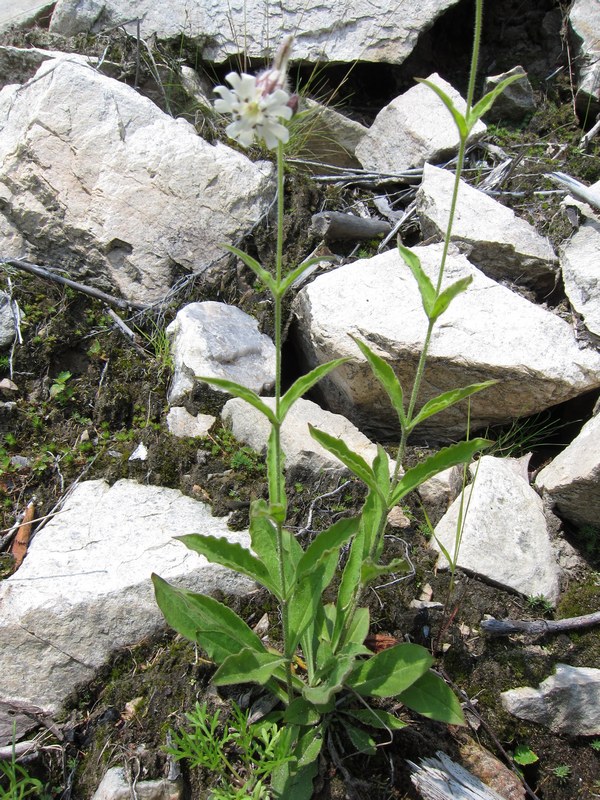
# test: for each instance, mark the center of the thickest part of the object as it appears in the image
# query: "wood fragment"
(579, 190)
(587, 137)
(336, 226)
(538, 627)
(42, 272)
(21, 540)
(440, 778)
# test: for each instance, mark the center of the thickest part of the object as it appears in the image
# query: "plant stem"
(279, 499)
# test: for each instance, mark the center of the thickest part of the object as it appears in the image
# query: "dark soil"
(114, 397)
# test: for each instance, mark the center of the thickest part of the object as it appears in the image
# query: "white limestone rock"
(515, 102)
(84, 588)
(414, 128)
(500, 244)
(331, 137)
(183, 424)
(252, 428)
(487, 332)
(504, 537)
(21, 12)
(8, 328)
(380, 32)
(579, 258)
(97, 178)
(438, 492)
(572, 479)
(584, 24)
(568, 702)
(115, 786)
(214, 340)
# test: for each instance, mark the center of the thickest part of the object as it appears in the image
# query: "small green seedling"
(562, 772)
(524, 756)
(60, 390)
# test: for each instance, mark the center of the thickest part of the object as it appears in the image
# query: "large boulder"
(579, 258)
(487, 332)
(301, 451)
(414, 128)
(504, 536)
(96, 179)
(214, 340)
(567, 702)
(572, 479)
(353, 31)
(584, 24)
(84, 588)
(503, 246)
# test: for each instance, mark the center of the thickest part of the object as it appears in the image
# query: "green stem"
(279, 499)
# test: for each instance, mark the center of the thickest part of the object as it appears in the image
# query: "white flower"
(256, 107)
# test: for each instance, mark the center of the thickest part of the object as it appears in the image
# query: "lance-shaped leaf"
(219, 550)
(340, 669)
(459, 120)
(264, 542)
(447, 399)
(306, 382)
(248, 666)
(261, 273)
(391, 671)
(483, 106)
(216, 628)
(432, 698)
(459, 453)
(277, 496)
(324, 544)
(237, 390)
(447, 296)
(386, 376)
(305, 597)
(293, 276)
(425, 285)
(355, 463)
(362, 741)
(370, 571)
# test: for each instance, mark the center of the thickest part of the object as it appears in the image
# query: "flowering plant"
(323, 672)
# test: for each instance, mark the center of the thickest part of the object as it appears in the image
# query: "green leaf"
(305, 598)
(237, 390)
(248, 666)
(253, 264)
(359, 627)
(459, 453)
(294, 780)
(325, 543)
(459, 120)
(447, 399)
(371, 571)
(219, 550)
(444, 298)
(301, 712)
(277, 496)
(524, 756)
(391, 671)
(425, 285)
(483, 106)
(292, 276)
(264, 542)
(386, 376)
(340, 669)
(431, 697)
(216, 628)
(355, 463)
(306, 382)
(375, 718)
(362, 741)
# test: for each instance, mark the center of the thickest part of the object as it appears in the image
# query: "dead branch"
(579, 190)
(538, 627)
(34, 712)
(440, 778)
(42, 272)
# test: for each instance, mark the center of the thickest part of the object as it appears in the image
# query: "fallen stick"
(335, 226)
(41, 272)
(538, 627)
(440, 778)
(579, 190)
